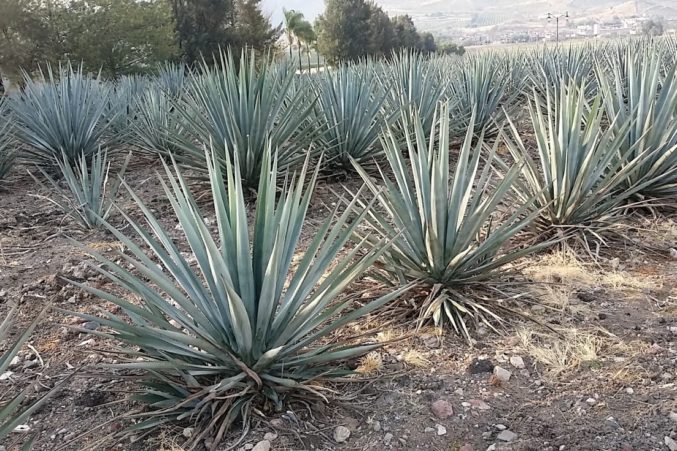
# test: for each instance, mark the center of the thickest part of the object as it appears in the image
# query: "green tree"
(451, 49)
(381, 32)
(204, 27)
(120, 36)
(31, 33)
(254, 30)
(344, 30)
(428, 44)
(406, 34)
(653, 28)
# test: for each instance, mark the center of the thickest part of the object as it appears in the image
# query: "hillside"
(443, 15)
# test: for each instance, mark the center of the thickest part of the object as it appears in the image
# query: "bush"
(447, 233)
(237, 329)
(62, 116)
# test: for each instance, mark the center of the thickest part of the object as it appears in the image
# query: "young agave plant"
(62, 115)
(349, 109)
(638, 90)
(171, 79)
(90, 196)
(7, 142)
(578, 180)
(446, 231)
(241, 111)
(242, 324)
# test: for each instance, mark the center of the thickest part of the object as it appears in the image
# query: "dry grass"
(370, 364)
(561, 354)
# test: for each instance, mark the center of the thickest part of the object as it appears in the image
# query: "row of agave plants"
(247, 322)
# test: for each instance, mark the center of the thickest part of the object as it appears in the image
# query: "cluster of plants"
(244, 322)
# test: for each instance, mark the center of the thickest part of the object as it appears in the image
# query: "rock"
(629, 391)
(263, 445)
(341, 434)
(459, 391)
(442, 409)
(479, 366)
(502, 374)
(517, 362)
(466, 447)
(673, 253)
(538, 309)
(270, 436)
(501, 427)
(428, 430)
(670, 443)
(478, 404)
(506, 436)
(376, 426)
(90, 325)
(615, 263)
(387, 438)
(441, 430)
(602, 316)
(276, 423)
(673, 416)
(627, 447)
(591, 401)
(23, 428)
(188, 432)
(6, 375)
(15, 361)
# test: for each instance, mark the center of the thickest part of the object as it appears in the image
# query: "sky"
(310, 8)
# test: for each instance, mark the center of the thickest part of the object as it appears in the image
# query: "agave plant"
(14, 411)
(90, 195)
(447, 231)
(242, 111)
(348, 108)
(245, 328)
(639, 90)
(578, 179)
(62, 114)
(157, 123)
(7, 142)
(171, 79)
(121, 110)
(416, 85)
(488, 87)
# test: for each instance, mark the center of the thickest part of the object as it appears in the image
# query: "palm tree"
(306, 35)
(292, 20)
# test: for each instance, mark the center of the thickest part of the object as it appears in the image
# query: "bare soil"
(599, 373)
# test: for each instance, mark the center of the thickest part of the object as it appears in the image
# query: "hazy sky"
(310, 8)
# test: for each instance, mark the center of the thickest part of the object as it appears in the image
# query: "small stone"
(188, 432)
(602, 316)
(666, 376)
(538, 309)
(501, 427)
(517, 362)
(466, 447)
(502, 374)
(591, 401)
(90, 342)
(341, 434)
(670, 443)
(506, 436)
(270, 436)
(428, 430)
(6, 375)
(263, 445)
(248, 446)
(442, 409)
(376, 426)
(629, 391)
(15, 361)
(673, 416)
(276, 423)
(615, 263)
(22, 428)
(459, 391)
(91, 325)
(62, 431)
(673, 253)
(387, 438)
(441, 430)
(627, 447)
(478, 404)
(479, 366)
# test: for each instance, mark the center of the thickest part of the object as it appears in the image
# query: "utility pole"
(557, 17)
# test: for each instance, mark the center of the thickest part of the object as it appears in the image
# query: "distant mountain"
(440, 15)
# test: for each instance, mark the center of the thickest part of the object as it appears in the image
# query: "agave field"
(474, 252)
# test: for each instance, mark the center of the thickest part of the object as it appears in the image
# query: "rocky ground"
(594, 368)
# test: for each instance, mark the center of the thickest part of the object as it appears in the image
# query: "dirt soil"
(598, 373)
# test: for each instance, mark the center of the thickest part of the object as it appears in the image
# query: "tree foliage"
(352, 29)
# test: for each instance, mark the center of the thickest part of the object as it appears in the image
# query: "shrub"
(90, 196)
(62, 115)
(238, 329)
(447, 231)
